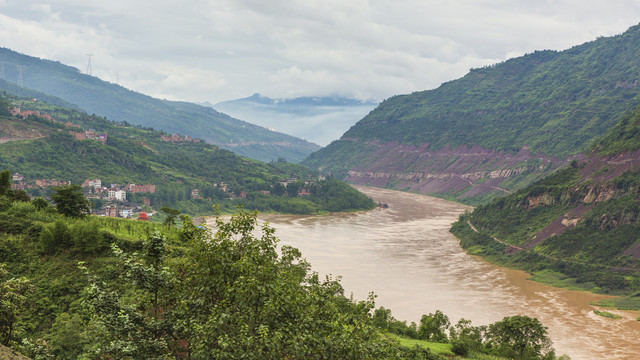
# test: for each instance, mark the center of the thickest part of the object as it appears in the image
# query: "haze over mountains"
(496, 129)
(317, 119)
(118, 103)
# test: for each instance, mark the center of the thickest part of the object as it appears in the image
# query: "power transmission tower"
(20, 75)
(2, 71)
(89, 64)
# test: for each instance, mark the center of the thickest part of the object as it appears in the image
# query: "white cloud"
(214, 50)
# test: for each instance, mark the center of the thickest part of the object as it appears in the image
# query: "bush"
(460, 347)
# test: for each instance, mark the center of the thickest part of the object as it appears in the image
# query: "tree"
(244, 298)
(40, 203)
(464, 337)
(142, 325)
(12, 299)
(172, 214)
(70, 200)
(433, 326)
(519, 335)
(5, 182)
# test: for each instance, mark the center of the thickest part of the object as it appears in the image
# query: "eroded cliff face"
(462, 173)
(15, 130)
(595, 187)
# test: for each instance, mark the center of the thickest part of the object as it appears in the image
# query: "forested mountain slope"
(582, 222)
(118, 103)
(57, 145)
(496, 129)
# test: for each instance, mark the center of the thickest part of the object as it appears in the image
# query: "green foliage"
(519, 337)
(466, 338)
(70, 201)
(172, 214)
(264, 305)
(624, 136)
(607, 314)
(5, 182)
(12, 301)
(141, 326)
(55, 237)
(433, 327)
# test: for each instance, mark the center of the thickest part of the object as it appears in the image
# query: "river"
(407, 257)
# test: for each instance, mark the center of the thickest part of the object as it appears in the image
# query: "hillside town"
(113, 197)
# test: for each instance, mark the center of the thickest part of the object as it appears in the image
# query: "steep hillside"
(118, 103)
(497, 128)
(67, 145)
(582, 222)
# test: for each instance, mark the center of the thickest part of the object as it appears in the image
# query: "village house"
(133, 188)
(45, 183)
(89, 134)
(178, 138)
(288, 181)
(195, 194)
(17, 177)
(111, 211)
(117, 194)
(26, 113)
(92, 183)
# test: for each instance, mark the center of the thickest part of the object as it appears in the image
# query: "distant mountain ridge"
(318, 119)
(545, 108)
(118, 103)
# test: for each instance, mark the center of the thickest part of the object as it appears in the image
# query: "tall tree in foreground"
(5, 182)
(70, 200)
(244, 300)
(12, 299)
(520, 337)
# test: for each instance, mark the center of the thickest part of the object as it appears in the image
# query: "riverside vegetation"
(85, 287)
(577, 228)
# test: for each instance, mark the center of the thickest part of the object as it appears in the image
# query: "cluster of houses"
(89, 134)
(20, 183)
(178, 138)
(26, 113)
(116, 196)
(82, 135)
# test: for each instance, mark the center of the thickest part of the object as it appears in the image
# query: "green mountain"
(496, 129)
(117, 103)
(579, 227)
(39, 148)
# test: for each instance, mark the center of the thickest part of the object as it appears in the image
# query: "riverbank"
(406, 256)
(542, 268)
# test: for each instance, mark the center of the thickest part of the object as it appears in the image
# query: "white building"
(95, 183)
(119, 195)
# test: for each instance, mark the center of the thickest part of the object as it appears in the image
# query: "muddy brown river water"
(407, 257)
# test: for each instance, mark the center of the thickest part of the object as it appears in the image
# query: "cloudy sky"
(215, 50)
